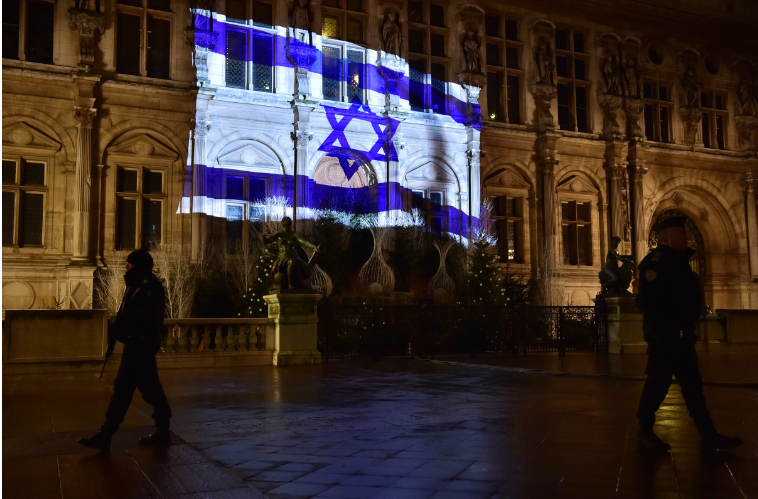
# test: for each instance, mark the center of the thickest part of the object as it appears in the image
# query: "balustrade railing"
(214, 335)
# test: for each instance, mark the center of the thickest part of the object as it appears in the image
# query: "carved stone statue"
(610, 73)
(544, 59)
(631, 79)
(746, 93)
(471, 46)
(615, 279)
(86, 5)
(301, 17)
(290, 271)
(391, 34)
(691, 86)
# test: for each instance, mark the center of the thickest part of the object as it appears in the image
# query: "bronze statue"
(290, 271)
(615, 279)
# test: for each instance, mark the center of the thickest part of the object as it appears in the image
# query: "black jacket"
(669, 291)
(139, 321)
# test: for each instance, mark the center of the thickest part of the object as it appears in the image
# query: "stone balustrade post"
(295, 317)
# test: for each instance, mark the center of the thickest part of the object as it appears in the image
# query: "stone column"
(751, 180)
(545, 157)
(473, 154)
(614, 167)
(301, 136)
(198, 201)
(637, 170)
(84, 116)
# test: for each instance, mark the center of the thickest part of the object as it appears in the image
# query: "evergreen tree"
(484, 274)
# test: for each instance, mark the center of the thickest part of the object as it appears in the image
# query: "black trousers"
(667, 359)
(137, 370)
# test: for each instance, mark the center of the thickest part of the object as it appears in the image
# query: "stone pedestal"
(624, 325)
(294, 317)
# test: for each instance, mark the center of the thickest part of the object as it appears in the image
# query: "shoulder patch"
(650, 275)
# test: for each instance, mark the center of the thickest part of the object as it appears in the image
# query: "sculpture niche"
(615, 279)
(290, 271)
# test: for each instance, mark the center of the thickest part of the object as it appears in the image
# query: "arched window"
(694, 240)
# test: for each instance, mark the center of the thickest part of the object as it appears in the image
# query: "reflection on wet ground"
(393, 429)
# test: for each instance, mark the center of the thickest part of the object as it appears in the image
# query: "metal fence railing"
(376, 331)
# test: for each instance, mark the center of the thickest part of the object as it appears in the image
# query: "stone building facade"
(161, 122)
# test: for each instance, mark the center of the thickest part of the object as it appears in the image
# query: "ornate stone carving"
(302, 56)
(691, 117)
(543, 97)
(472, 83)
(610, 104)
(84, 115)
(391, 33)
(88, 23)
(204, 42)
(691, 86)
(471, 53)
(300, 15)
(473, 156)
(392, 68)
(610, 67)
(631, 78)
(633, 108)
(747, 93)
(543, 57)
(202, 127)
(301, 138)
(549, 164)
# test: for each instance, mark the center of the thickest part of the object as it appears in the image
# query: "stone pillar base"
(625, 333)
(294, 317)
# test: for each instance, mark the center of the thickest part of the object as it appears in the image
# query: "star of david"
(337, 145)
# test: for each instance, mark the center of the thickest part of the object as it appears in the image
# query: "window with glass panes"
(143, 38)
(244, 11)
(715, 117)
(656, 95)
(24, 191)
(430, 203)
(140, 196)
(245, 205)
(507, 211)
(239, 70)
(344, 20)
(504, 70)
(572, 67)
(35, 42)
(576, 232)
(428, 36)
(343, 72)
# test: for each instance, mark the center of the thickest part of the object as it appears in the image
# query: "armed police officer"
(138, 326)
(670, 300)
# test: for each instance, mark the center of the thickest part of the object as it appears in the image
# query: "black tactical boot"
(99, 440)
(160, 436)
(711, 439)
(648, 440)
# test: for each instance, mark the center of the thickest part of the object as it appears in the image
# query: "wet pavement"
(390, 429)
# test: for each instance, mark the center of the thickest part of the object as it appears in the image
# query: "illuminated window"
(353, 85)
(243, 210)
(344, 20)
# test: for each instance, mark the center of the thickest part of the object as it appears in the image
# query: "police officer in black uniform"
(138, 326)
(670, 300)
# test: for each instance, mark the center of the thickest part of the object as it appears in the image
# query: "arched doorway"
(345, 181)
(694, 240)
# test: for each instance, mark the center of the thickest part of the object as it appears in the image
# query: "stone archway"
(344, 181)
(694, 240)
